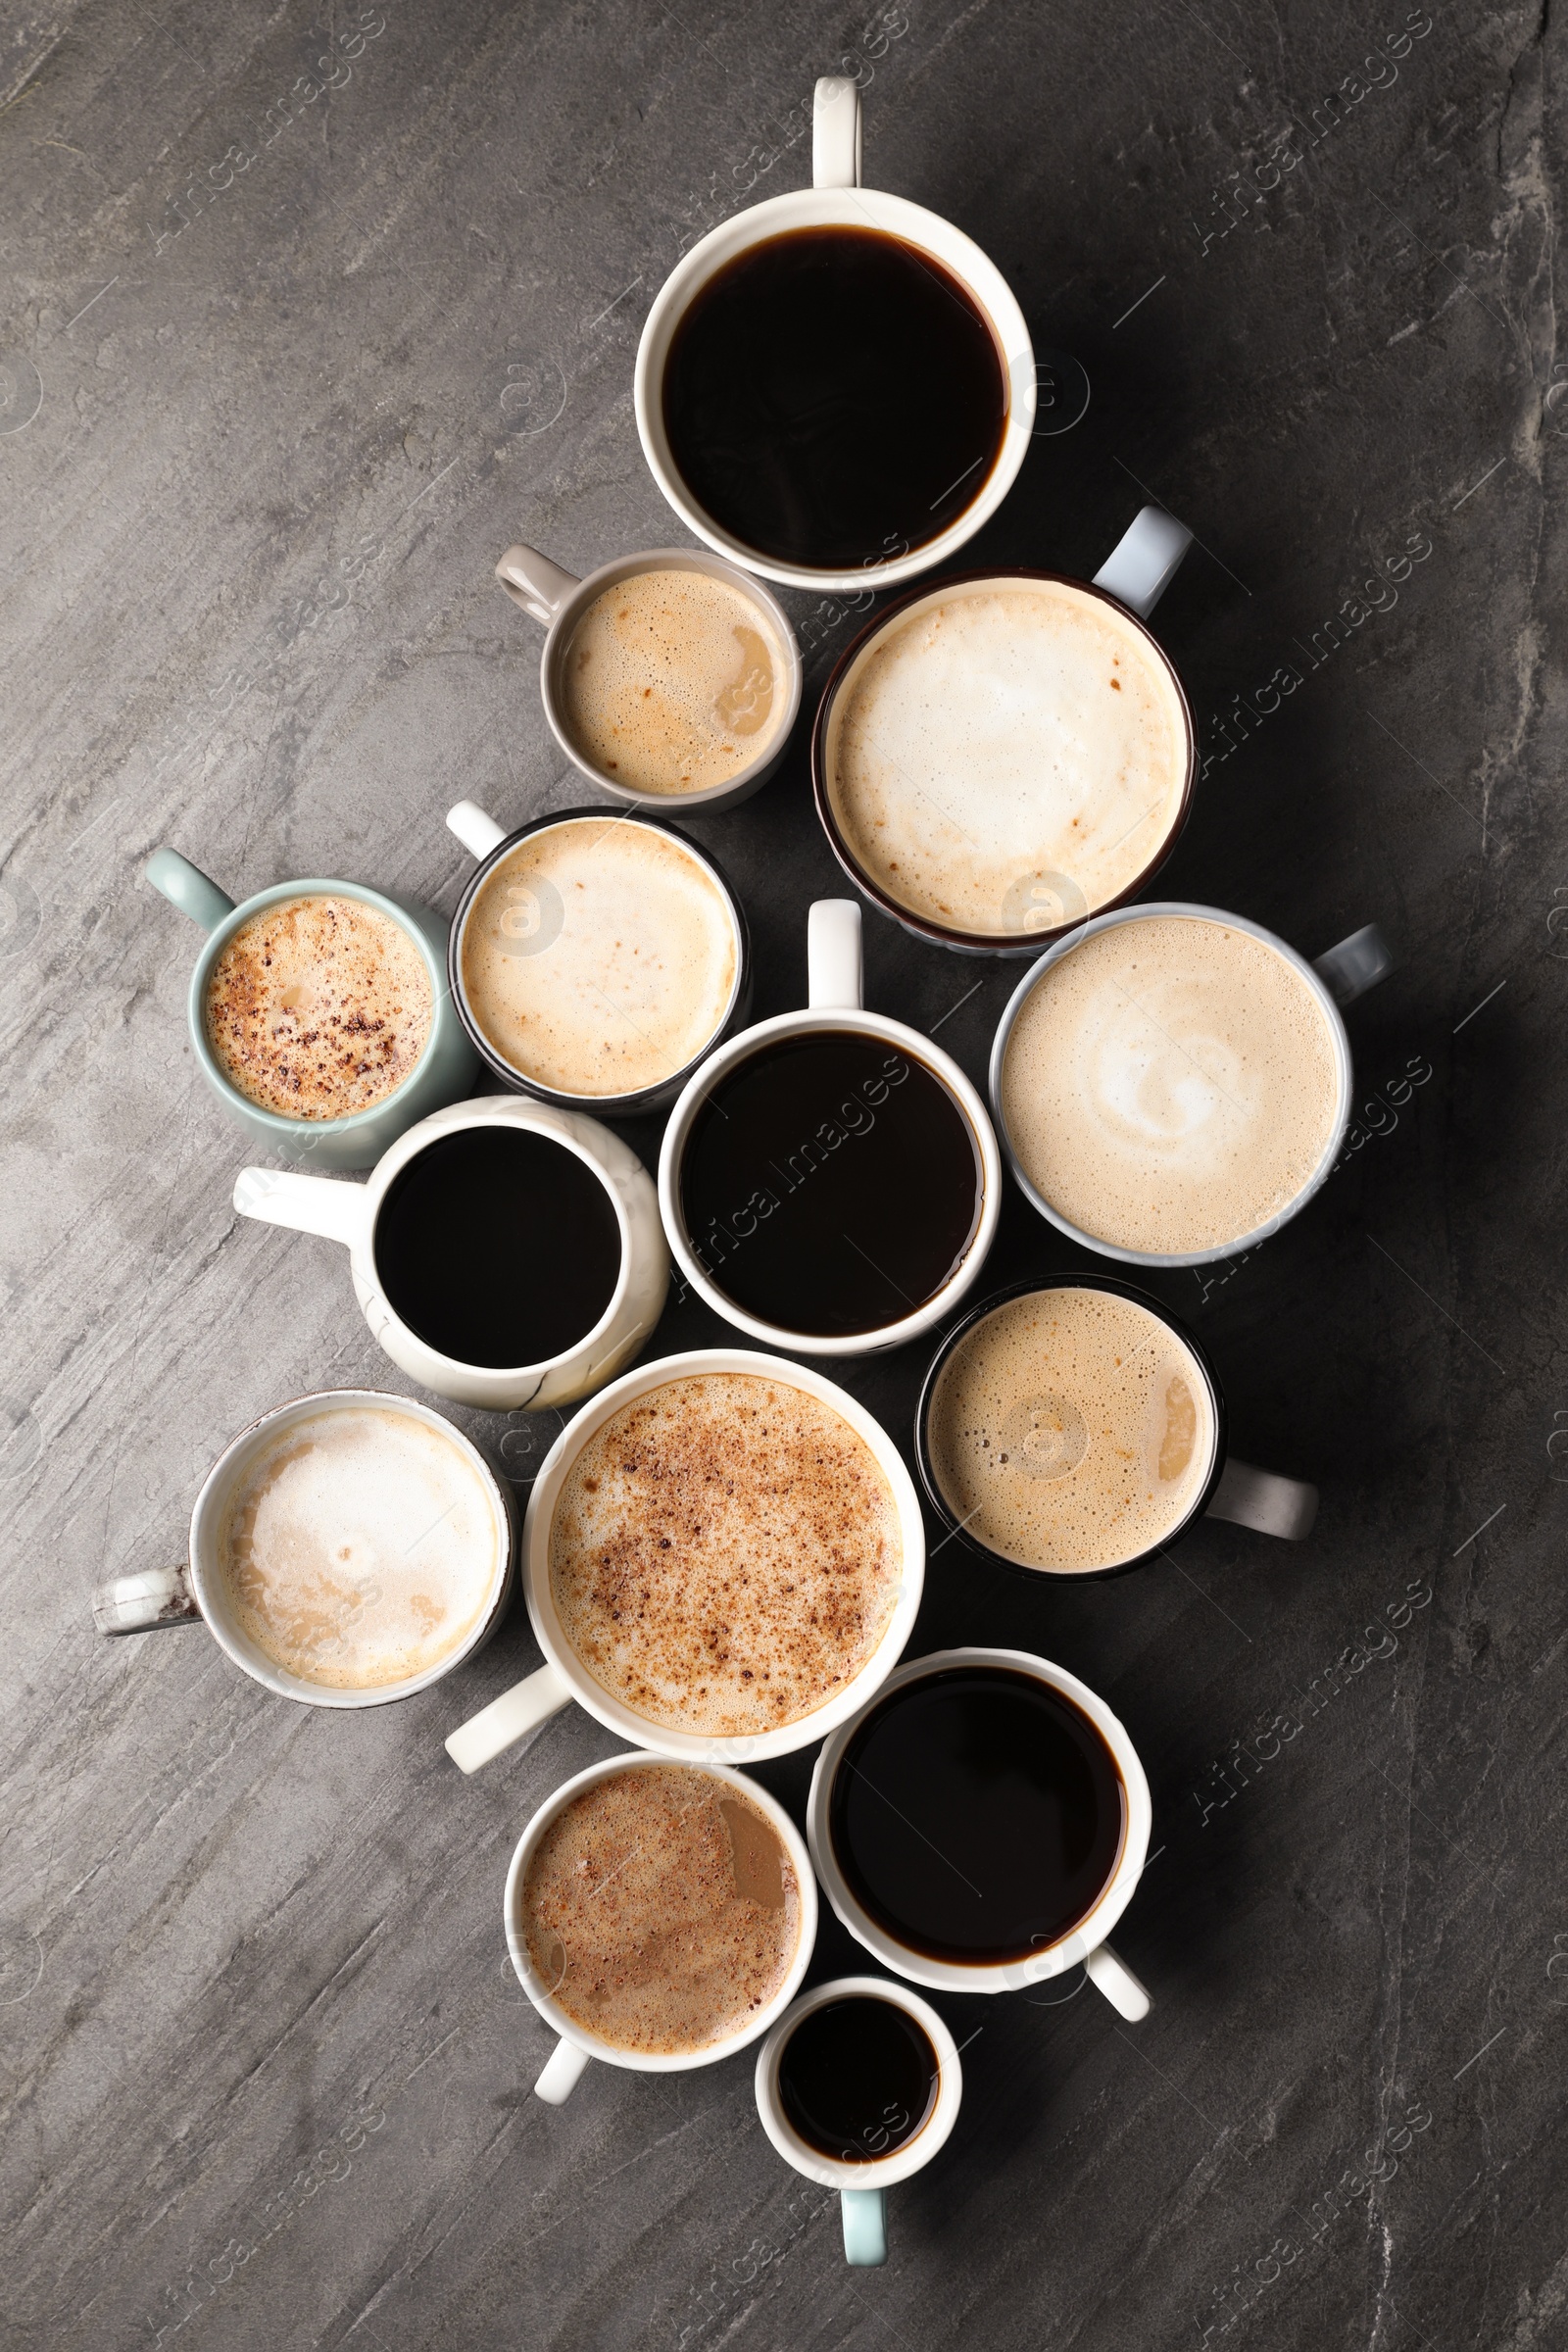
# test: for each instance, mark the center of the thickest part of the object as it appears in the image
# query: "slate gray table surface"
(304, 318)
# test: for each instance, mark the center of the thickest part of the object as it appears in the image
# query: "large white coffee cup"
(345, 1212)
(837, 199)
(197, 1591)
(564, 2069)
(564, 1678)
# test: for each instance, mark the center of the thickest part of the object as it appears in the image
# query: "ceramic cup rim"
(1146, 913)
(819, 1020)
(878, 2172)
(207, 1580)
(1085, 1935)
(1028, 1287)
(641, 1099)
(1010, 945)
(895, 215)
(713, 565)
(658, 2062)
(534, 1557)
(275, 1121)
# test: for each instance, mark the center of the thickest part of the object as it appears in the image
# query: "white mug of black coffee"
(858, 2086)
(659, 1916)
(1071, 1427)
(346, 1549)
(835, 388)
(506, 1254)
(595, 959)
(670, 679)
(829, 1179)
(982, 1826)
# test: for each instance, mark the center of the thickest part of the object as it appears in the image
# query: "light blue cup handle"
(186, 887)
(866, 2228)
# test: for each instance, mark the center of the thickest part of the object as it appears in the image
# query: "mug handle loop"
(186, 887)
(509, 1719)
(1357, 964)
(301, 1203)
(1263, 1501)
(562, 2072)
(833, 957)
(476, 828)
(866, 2218)
(150, 1601)
(836, 133)
(1144, 561)
(1114, 1977)
(532, 581)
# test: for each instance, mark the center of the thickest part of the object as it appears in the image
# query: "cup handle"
(836, 133)
(477, 831)
(833, 955)
(510, 1718)
(1115, 1979)
(303, 1203)
(1263, 1501)
(1357, 964)
(1144, 561)
(150, 1601)
(532, 581)
(186, 887)
(562, 2072)
(865, 2210)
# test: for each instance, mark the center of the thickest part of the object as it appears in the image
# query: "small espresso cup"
(1335, 979)
(835, 1010)
(860, 2173)
(539, 936)
(836, 199)
(1018, 898)
(1084, 1941)
(563, 1677)
(560, 600)
(445, 1071)
(197, 1590)
(1047, 1437)
(358, 1215)
(577, 2043)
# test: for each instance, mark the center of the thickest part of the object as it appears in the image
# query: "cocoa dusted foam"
(725, 1555)
(360, 1547)
(1171, 1084)
(1008, 756)
(1072, 1430)
(600, 957)
(661, 1909)
(318, 1007)
(673, 681)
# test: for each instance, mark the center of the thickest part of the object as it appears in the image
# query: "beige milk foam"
(1072, 1429)
(725, 1555)
(600, 957)
(661, 1909)
(1008, 753)
(673, 681)
(1170, 1085)
(359, 1548)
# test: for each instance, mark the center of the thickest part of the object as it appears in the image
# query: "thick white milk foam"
(1170, 1083)
(1009, 756)
(359, 1548)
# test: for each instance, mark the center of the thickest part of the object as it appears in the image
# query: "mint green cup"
(444, 1073)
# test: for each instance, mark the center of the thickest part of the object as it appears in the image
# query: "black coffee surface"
(833, 397)
(857, 2079)
(830, 1184)
(498, 1247)
(977, 1815)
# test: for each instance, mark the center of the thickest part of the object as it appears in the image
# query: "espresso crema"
(1170, 1085)
(1008, 756)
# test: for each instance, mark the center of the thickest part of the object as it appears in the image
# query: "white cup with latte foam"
(627, 1613)
(348, 1548)
(1172, 1083)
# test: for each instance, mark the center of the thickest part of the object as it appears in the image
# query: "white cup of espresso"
(200, 1591)
(563, 1677)
(836, 199)
(349, 1212)
(578, 2042)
